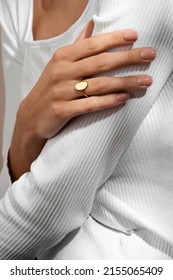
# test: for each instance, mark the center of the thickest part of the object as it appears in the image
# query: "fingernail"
(144, 81)
(123, 97)
(130, 35)
(148, 54)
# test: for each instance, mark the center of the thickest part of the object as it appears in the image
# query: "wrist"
(24, 149)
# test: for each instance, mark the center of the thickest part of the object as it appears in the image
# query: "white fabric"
(115, 165)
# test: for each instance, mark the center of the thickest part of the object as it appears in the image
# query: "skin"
(53, 17)
(54, 101)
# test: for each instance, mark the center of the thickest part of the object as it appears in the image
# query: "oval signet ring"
(81, 86)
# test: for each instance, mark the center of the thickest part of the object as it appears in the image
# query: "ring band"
(81, 86)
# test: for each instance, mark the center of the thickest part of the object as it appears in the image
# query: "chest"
(51, 20)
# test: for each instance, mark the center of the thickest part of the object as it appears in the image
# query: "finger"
(103, 85)
(96, 44)
(95, 103)
(106, 85)
(87, 32)
(112, 60)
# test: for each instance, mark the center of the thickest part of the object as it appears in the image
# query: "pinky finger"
(96, 103)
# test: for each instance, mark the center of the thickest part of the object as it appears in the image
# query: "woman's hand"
(54, 100)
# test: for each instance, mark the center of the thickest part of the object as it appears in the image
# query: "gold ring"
(81, 86)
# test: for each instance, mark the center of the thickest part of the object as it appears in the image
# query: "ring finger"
(106, 85)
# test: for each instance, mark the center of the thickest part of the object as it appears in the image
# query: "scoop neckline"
(64, 36)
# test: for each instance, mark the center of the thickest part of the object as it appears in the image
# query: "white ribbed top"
(114, 165)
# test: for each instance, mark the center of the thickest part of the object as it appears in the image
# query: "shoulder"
(146, 16)
(15, 23)
(14, 16)
(8, 13)
(133, 6)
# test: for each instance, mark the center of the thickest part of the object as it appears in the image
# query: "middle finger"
(112, 60)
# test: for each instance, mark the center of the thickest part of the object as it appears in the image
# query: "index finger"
(97, 43)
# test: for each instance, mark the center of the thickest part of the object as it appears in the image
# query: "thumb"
(87, 31)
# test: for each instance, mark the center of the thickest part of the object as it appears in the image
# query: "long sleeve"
(56, 196)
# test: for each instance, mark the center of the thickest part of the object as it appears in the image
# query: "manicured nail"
(148, 54)
(130, 35)
(123, 97)
(144, 81)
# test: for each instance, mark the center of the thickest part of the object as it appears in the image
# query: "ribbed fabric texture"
(114, 165)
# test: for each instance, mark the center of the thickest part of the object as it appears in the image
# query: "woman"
(68, 179)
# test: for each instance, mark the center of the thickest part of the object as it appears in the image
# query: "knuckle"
(114, 102)
(60, 54)
(57, 74)
(64, 115)
(130, 82)
(56, 56)
(133, 56)
(54, 76)
(129, 56)
(91, 44)
(101, 61)
(121, 83)
(91, 105)
(54, 109)
(53, 93)
(58, 111)
(116, 37)
(101, 85)
(57, 93)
